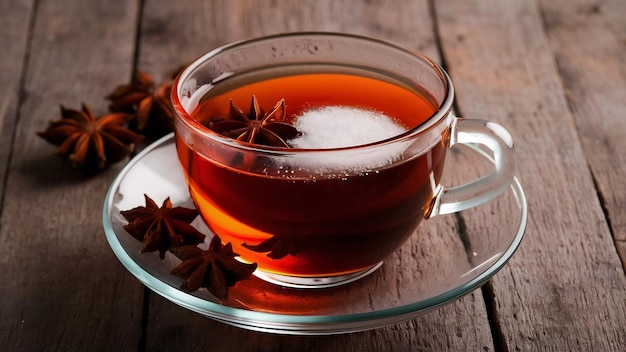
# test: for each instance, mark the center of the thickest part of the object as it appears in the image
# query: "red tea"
(313, 223)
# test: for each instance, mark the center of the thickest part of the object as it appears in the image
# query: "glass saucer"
(448, 257)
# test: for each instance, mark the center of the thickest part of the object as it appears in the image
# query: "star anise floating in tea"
(215, 268)
(162, 228)
(256, 127)
(149, 103)
(90, 142)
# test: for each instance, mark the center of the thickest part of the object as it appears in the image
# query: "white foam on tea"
(344, 126)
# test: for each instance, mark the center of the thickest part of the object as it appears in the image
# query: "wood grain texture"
(505, 70)
(205, 25)
(62, 289)
(589, 43)
(438, 331)
(552, 72)
(182, 33)
(15, 18)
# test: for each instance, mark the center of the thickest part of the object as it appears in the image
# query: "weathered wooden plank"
(62, 288)
(588, 40)
(440, 330)
(181, 33)
(15, 17)
(504, 69)
(174, 34)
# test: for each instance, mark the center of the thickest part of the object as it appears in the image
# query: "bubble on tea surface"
(344, 126)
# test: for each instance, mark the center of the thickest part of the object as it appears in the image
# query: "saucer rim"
(293, 324)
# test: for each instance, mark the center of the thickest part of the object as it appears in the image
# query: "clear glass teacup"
(319, 212)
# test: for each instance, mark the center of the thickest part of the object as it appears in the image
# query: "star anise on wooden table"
(257, 126)
(215, 268)
(162, 228)
(90, 142)
(149, 103)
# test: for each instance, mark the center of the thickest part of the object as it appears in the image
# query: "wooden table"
(551, 71)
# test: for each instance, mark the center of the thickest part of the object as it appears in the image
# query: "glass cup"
(320, 217)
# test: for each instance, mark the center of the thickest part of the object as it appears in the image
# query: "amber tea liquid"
(313, 223)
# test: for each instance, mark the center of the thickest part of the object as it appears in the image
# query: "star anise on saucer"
(90, 142)
(162, 228)
(149, 103)
(257, 126)
(215, 268)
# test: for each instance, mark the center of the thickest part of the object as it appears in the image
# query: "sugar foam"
(332, 127)
(343, 126)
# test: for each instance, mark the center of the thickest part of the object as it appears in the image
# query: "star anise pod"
(162, 228)
(91, 142)
(277, 246)
(151, 105)
(216, 268)
(257, 127)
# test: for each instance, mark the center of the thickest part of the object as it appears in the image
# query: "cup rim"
(444, 108)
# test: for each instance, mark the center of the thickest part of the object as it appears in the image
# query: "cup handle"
(497, 140)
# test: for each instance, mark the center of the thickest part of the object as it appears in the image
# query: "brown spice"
(90, 142)
(277, 247)
(216, 268)
(256, 127)
(151, 105)
(162, 228)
